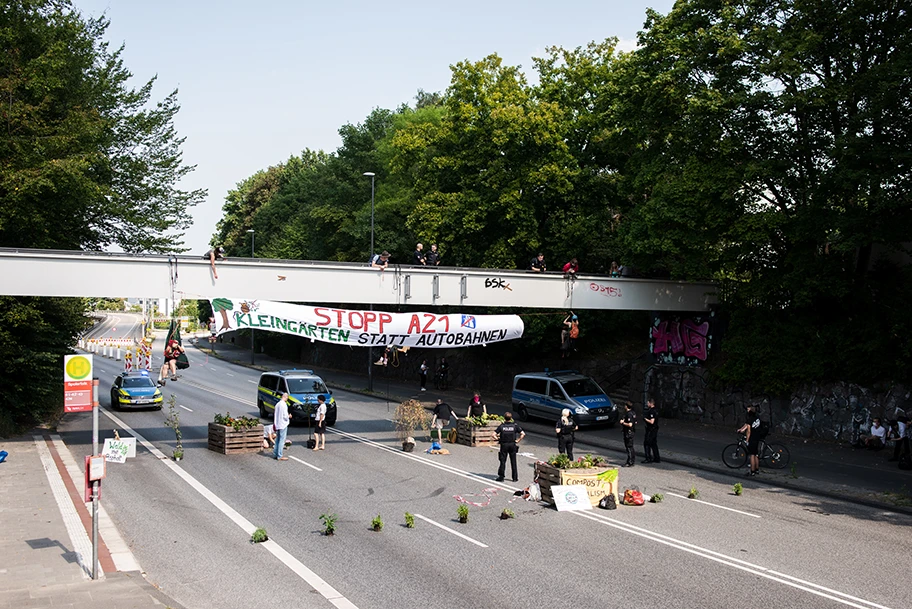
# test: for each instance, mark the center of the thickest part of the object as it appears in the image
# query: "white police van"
(545, 394)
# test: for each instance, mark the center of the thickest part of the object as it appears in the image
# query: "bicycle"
(775, 456)
(442, 380)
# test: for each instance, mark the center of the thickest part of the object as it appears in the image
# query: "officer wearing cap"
(509, 434)
(628, 423)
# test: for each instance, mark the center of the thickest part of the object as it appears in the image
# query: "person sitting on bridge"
(216, 253)
(537, 264)
(380, 261)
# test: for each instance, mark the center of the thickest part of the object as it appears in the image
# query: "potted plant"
(231, 435)
(377, 524)
(507, 513)
(592, 471)
(410, 417)
(478, 431)
(462, 513)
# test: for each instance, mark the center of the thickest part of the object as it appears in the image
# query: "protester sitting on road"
(537, 264)
(878, 434)
(380, 261)
(216, 253)
(477, 408)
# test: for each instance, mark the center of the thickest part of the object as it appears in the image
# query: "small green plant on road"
(173, 421)
(794, 469)
(409, 520)
(377, 523)
(507, 514)
(657, 498)
(259, 536)
(694, 493)
(738, 488)
(462, 512)
(329, 523)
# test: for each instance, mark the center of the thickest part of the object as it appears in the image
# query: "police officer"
(628, 424)
(509, 434)
(651, 441)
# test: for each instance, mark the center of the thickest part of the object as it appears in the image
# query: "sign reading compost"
(365, 328)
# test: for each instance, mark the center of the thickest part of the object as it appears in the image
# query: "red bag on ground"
(633, 497)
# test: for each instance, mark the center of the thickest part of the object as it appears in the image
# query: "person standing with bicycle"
(751, 429)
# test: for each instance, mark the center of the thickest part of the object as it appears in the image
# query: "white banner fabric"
(365, 328)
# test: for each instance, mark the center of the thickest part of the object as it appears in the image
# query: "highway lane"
(542, 557)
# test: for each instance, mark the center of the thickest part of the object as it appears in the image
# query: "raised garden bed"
(470, 434)
(230, 441)
(599, 481)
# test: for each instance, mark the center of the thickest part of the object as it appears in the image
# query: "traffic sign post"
(77, 383)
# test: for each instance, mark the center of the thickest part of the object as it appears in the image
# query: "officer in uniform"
(509, 434)
(628, 423)
(651, 441)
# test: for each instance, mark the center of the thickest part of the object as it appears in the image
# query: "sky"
(261, 81)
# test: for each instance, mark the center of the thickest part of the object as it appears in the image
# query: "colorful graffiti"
(605, 290)
(680, 339)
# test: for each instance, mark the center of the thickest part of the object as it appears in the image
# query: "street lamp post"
(370, 351)
(252, 234)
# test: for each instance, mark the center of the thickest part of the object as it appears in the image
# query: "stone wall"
(829, 411)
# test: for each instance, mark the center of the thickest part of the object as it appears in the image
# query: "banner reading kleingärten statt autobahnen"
(365, 328)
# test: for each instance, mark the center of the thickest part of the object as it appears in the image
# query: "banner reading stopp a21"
(365, 328)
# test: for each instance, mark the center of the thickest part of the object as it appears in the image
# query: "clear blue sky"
(262, 80)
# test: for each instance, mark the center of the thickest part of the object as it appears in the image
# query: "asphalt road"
(187, 523)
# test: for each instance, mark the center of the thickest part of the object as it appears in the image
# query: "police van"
(302, 386)
(545, 394)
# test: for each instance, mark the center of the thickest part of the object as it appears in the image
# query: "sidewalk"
(819, 467)
(45, 543)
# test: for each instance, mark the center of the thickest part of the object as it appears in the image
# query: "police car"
(135, 389)
(546, 394)
(302, 387)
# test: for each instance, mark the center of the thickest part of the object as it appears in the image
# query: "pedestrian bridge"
(29, 272)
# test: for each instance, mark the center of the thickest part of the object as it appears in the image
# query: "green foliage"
(173, 421)
(657, 498)
(35, 334)
(409, 520)
(259, 536)
(793, 473)
(484, 419)
(377, 523)
(88, 161)
(507, 513)
(462, 512)
(410, 416)
(238, 423)
(329, 523)
(738, 488)
(562, 461)
(694, 493)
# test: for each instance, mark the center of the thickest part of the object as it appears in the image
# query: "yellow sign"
(77, 367)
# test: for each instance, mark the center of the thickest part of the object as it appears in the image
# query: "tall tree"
(88, 161)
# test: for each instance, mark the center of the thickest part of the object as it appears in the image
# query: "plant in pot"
(462, 513)
(410, 417)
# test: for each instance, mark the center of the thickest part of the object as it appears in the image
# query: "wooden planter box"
(227, 441)
(473, 435)
(597, 483)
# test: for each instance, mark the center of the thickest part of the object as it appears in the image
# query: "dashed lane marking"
(721, 507)
(292, 457)
(449, 530)
(185, 408)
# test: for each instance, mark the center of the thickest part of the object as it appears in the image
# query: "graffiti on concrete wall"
(681, 339)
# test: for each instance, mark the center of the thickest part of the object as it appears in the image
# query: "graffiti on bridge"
(680, 339)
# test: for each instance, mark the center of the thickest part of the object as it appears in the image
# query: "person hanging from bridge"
(572, 325)
(216, 253)
(173, 350)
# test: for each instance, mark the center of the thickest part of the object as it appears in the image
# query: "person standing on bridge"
(651, 441)
(418, 258)
(537, 264)
(628, 423)
(509, 434)
(280, 421)
(433, 256)
(216, 253)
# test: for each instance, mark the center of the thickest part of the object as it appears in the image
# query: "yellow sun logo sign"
(77, 367)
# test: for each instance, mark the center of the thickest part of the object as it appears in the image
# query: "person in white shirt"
(280, 425)
(877, 437)
(320, 417)
(903, 438)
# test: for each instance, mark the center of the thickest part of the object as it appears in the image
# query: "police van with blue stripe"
(302, 386)
(545, 394)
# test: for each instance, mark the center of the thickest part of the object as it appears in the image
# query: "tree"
(88, 162)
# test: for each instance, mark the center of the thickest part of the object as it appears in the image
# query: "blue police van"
(545, 394)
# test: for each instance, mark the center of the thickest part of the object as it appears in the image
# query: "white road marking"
(721, 507)
(185, 408)
(213, 369)
(229, 374)
(527, 455)
(449, 530)
(78, 537)
(314, 580)
(794, 582)
(251, 381)
(305, 463)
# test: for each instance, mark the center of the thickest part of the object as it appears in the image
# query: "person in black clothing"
(751, 429)
(476, 406)
(216, 253)
(443, 374)
(628, 422)
(418, 258)
(442, 412)
(564, 430)
(538, 264)
(651, 442)
(509, 434)
(433, 256)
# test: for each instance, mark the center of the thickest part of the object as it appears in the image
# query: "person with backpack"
(752, 429)
(173, 350)
(565, 429)
(628, 424)
(651, 441)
